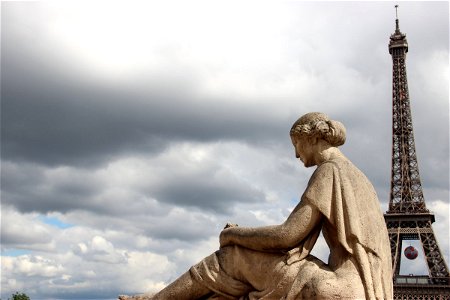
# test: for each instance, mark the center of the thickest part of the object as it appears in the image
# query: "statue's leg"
(202, 279)
(182, 288)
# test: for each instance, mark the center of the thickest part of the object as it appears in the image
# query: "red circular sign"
(411, 252)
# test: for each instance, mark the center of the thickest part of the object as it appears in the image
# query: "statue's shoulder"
(338, 163)
(328, 166)
(327, 171)
(321, 181)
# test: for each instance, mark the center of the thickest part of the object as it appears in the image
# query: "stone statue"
(274, 262)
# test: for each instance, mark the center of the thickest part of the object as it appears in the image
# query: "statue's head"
(317, 125)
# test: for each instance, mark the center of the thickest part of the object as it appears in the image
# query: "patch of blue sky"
(294, 201)
(53, 221)
(14, 252)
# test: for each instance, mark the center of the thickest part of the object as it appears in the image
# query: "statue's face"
(304, 150)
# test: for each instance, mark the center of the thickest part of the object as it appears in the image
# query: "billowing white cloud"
(25, 231)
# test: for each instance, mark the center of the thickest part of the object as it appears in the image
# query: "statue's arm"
(277, 237)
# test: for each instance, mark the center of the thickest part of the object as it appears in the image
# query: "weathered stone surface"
(273, 262)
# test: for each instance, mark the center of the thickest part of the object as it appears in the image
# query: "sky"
(132, 132)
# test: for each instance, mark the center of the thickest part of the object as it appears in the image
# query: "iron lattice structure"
(407, 217)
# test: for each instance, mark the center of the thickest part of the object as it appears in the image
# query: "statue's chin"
(309, 164)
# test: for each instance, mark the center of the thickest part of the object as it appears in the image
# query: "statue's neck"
(327, 152)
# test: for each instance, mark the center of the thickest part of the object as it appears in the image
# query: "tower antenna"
(397, 27)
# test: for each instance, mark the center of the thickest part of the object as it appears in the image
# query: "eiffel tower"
(407, 217)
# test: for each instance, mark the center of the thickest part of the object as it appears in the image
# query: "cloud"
(78, 119)
(185, 175)
(441, 227)
(32, 266)
(49, 279)
(37, 236)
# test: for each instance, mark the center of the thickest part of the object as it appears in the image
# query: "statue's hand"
(226, 236)
(228, 225)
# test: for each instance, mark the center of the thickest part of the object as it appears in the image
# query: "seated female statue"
(274, 262)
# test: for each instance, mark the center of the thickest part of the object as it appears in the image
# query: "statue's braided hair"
(319, 125)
